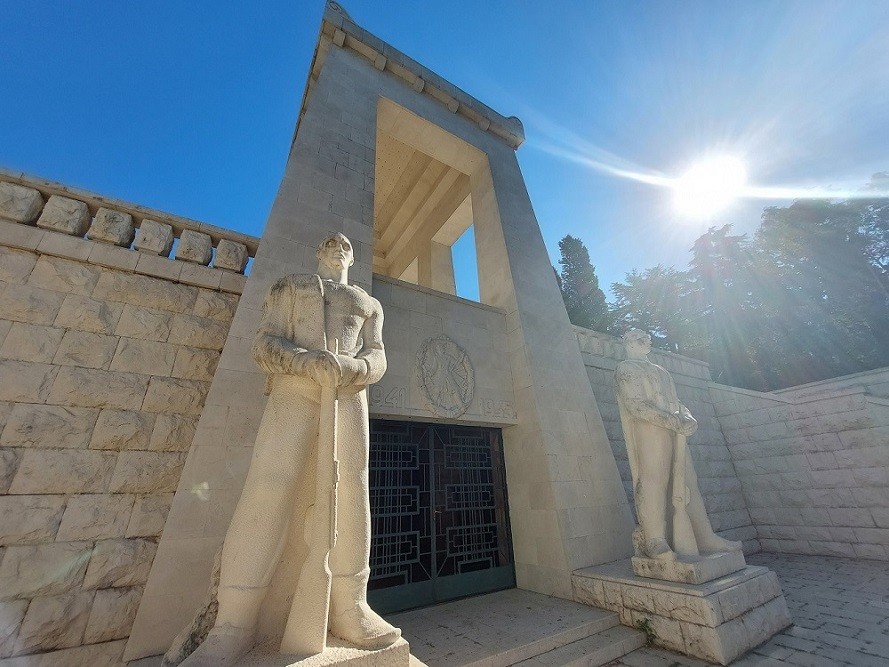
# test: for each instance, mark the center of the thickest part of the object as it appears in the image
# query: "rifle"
(306, 630)
(684, 541)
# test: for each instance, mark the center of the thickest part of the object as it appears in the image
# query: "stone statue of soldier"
(318, 336)
(656, 426)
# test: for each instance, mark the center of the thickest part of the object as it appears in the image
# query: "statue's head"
(335, 252)
(637, 342)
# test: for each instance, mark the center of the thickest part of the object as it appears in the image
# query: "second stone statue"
(320, 341)
(672, 519)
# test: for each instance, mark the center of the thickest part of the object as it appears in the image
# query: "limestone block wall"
(813, 462)
(720, 485)
(105, 362)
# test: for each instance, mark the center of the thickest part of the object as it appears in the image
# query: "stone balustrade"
(125, 236)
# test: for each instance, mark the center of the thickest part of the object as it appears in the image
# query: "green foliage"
(584, 300)
(652, 301)
(644, 626)
(805, 299)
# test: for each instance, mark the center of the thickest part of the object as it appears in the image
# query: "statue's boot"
(708, 541)
(235, 631)
(224, 646)
(658, 548)
(352, 619)
(713, 543)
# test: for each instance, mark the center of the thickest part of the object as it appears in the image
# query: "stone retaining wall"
(813, 462)
(106, 355)
(719, 483)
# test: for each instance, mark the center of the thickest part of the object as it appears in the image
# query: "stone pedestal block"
(685, 570)
(231, 256)
(716, 621)
(338, 652)
(112, 227)
(18, 203)
(194, 247)
(154, 237)
(68, 216)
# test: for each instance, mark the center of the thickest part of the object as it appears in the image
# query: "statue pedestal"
(338, 652)
(690, 570)
(717, 621)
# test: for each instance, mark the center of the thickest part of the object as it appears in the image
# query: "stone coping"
(57, 244)
(338, 29)
(53, 219)
(434, 292)
(614, 350)
(96, 201)
(829, 381)
(716, 386)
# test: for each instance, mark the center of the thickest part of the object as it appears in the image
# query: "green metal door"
(439, 514)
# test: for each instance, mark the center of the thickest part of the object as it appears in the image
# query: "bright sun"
(709, 186)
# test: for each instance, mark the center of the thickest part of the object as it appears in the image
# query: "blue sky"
(190, 107)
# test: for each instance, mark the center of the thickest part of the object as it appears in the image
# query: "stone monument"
(320, 341)
(656, 427)
(689, 589)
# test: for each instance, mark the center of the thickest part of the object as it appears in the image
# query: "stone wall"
(813, 462)
(718, 480)
(106, 355)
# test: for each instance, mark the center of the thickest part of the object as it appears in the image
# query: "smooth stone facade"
(717, 621)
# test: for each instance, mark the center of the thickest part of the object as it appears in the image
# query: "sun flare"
(709, 187)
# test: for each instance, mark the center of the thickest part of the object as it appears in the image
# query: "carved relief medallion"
(446, 376)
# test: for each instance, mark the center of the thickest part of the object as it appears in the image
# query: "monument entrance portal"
(439, 514)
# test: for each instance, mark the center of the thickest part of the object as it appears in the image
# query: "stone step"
(499, 629)
(598, 649)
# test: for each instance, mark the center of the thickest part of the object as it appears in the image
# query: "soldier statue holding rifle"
(656, 426)
(320, 341)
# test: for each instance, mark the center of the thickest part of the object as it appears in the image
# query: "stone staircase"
(515, 627)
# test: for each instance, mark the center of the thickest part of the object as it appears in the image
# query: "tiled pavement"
(840, 610)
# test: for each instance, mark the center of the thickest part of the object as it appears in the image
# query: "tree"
(826, 290)
(806, 298)
(872, 217)
(723, 327)
(584, 300)
(653, 301)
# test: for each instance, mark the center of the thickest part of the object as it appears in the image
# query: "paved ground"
(509, 627)
(840, 609)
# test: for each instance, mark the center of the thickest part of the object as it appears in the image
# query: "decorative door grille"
(439, 514)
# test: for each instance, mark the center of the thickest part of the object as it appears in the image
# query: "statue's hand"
(319, 365)
(687, 424)
(674, 423)
(353, 370)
